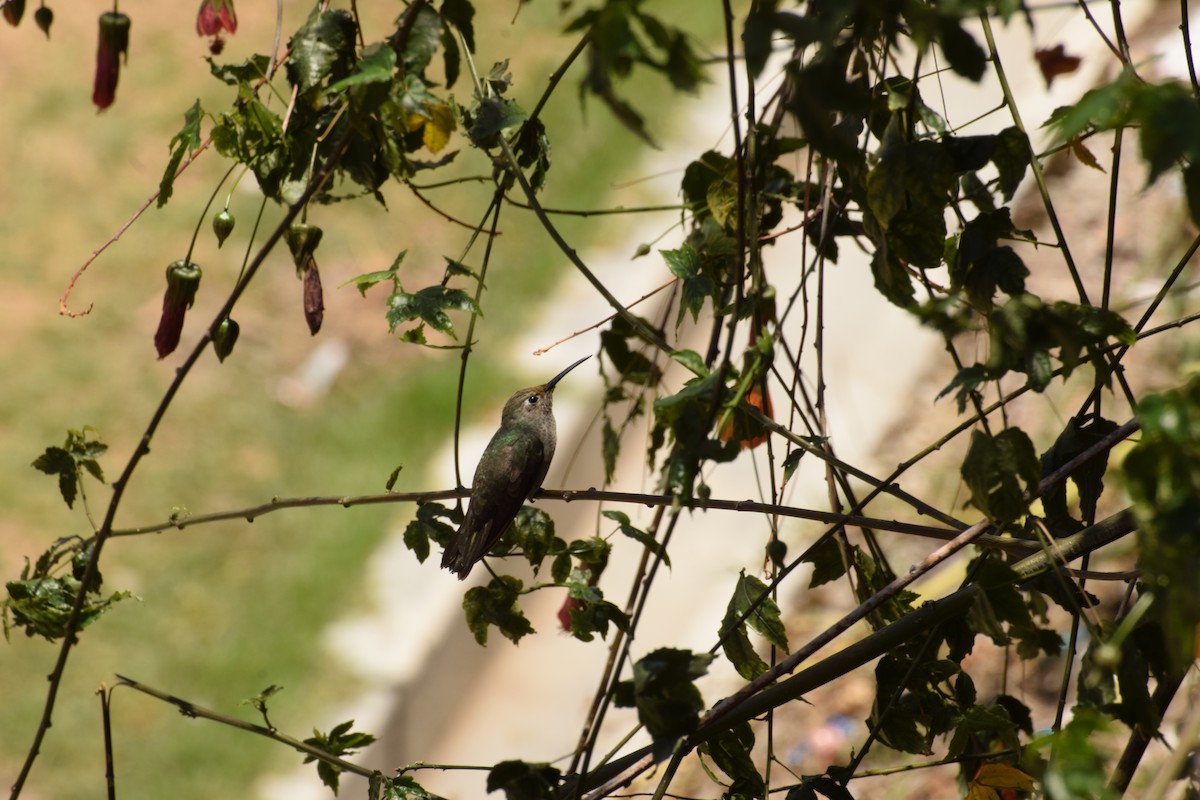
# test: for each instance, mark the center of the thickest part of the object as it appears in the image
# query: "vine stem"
(71, 629)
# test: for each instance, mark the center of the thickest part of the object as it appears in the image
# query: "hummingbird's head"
(535, 402)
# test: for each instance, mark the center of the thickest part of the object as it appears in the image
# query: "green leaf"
(1102, 108)
(829, 563)
(965, 55)
(79, 451)
(1011, 157)
(340, 741)
(731, 751)
(981, 266)
(812, 786)
(460, 14)
(791, 462)
(322, 48)
(1191, 183)
(685, 264)
(492, 116)
(376, 66)
(496, 604)
(999, 471)
(1077, 766)
(664, 692)
(588, 613)
(521, 780)
(402, 787)
(892, 279)
(749, 593)
(249, 71)
(1162, 474)
(533, 532)
(185, 142)
(638, 535)
(1077, 437)
(1169, 120)
(423, 39)
(692, 360)
(430, 306)
(42, 605)
(532, 149)
(369, 279)
(611, 448)
(428, 526)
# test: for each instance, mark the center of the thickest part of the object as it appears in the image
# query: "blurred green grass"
(228, 609)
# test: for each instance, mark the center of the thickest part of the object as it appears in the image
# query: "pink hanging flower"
(216, 16)
(112, 48)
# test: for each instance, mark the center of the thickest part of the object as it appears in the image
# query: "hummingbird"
(512, 468)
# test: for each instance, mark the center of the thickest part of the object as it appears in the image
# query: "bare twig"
(190, 709)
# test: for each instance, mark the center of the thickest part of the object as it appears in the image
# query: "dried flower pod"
(183, 279)
(225, 338)
(112, 48)
(314, 297)
(44, 18)
(222, 224)
(302, 240)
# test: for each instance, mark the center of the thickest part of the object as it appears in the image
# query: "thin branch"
(251, 513)
(190, 709)
(63, 309)
(609, 318)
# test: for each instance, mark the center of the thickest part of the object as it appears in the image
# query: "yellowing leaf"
(977, 792)
(438, 127)
(1080, 151)
(1003, 776)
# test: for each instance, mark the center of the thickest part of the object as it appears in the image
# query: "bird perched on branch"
(511, 470)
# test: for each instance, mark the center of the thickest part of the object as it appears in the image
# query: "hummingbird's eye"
(533, 399)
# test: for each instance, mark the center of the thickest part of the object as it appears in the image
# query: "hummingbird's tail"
(453, 559)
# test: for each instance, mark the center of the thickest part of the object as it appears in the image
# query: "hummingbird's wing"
(511, 469)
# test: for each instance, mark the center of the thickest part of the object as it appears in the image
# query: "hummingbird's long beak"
(561, 375)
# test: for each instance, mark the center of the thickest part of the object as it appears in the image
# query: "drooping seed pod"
(222, 224)
(225, 338)
(44, 18)
(183, 279)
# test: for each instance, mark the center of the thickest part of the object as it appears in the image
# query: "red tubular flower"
(183, 279)
(113, 46)
(216, 16)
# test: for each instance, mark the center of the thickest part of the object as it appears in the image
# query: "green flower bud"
(225, 338)
(302, 239)
(223, 225)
